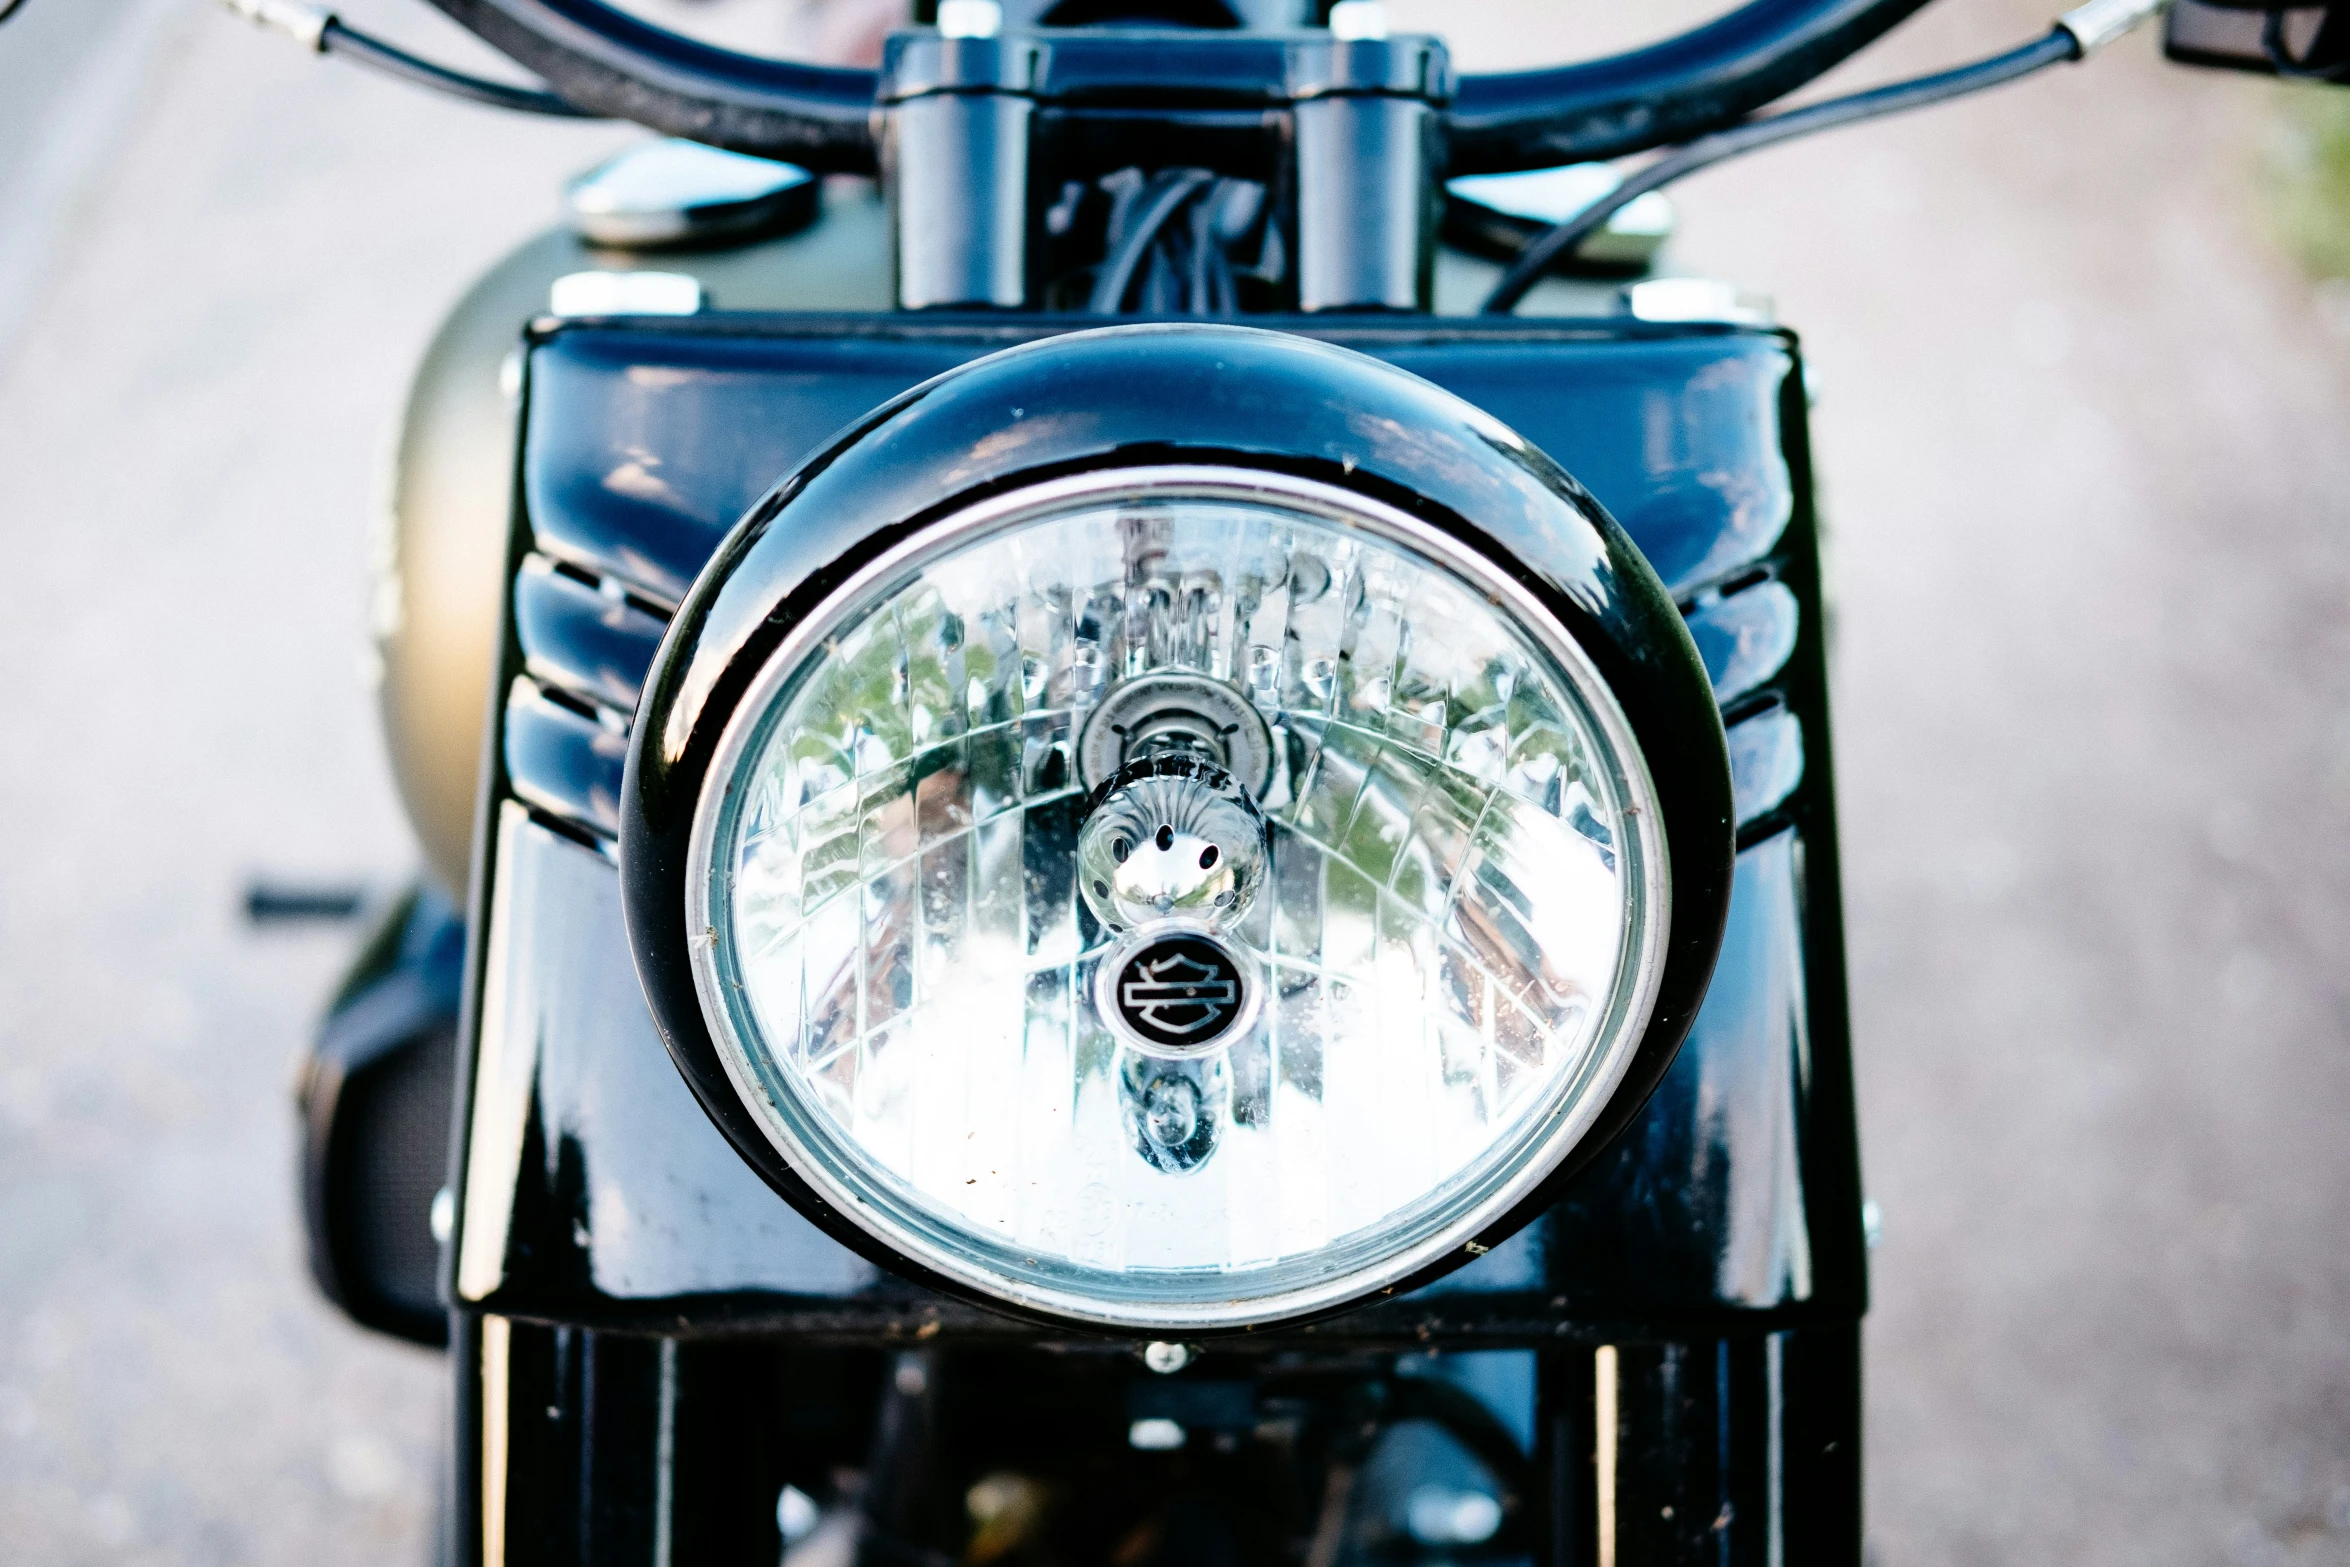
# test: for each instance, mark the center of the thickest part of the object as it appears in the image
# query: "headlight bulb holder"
(1171, 837)
(1177, 712)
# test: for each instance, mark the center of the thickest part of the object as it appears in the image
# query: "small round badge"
(1176, 991)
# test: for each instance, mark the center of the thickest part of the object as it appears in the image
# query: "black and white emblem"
(1176, 991)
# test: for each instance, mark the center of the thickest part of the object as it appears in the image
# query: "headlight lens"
(1177, 898)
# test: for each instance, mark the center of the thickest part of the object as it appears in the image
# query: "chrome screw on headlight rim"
(1356, 1008)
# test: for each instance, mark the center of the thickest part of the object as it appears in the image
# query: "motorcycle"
(1124, 755)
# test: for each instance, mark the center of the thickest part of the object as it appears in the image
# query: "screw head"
(1167, 1359)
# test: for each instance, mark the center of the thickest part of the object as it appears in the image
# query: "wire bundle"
(1170, 241)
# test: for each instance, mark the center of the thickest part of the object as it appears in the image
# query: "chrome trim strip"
(1607, 1415)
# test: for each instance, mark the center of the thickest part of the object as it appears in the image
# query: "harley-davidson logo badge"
(1180, 991)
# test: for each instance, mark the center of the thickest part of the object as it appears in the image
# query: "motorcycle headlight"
(1174, 896)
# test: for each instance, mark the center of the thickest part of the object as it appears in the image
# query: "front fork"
(577, 1447)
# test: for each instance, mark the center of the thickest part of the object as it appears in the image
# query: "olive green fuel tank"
(440, 562)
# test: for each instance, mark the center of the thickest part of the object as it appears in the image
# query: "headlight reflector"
(1211, 1080)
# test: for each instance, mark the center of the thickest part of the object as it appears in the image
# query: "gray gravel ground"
(2088, 465)
(191, 427)
(2087, 447)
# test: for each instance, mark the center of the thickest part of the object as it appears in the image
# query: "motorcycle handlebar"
(601, 60)
(1667, 92)
(821, 116)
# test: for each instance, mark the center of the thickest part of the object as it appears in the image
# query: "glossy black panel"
(561, 759)
(1666, 1228)
(590, 643)
(1727, 1196)
(645, 446)
(599, 1192)
(1720, 1159)
(579, 1448)
(1236, 397)
(595, 1188)
(1766, 762)
(1745, 637)
(644, 449)
(1677, 436)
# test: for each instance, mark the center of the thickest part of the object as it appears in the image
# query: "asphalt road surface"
(2085, 434)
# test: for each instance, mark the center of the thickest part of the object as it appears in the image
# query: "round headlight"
(1175, 896)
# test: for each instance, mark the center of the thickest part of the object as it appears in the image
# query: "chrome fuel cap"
(681, 193)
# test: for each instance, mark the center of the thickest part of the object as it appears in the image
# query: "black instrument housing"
(1703, 1277)
(1690, 434)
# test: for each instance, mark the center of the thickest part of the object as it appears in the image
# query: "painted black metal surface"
(583, 638)
(596, 1447)
(374, 1098)
(1241, 398)
(648, 446)
(1676, 429)
(1735, 1197)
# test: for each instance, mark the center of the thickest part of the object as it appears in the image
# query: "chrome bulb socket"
(1171, 837)
(1176, 712)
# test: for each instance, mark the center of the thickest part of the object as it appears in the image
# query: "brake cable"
(1159, 201)
(2076, 35)
(322, 32)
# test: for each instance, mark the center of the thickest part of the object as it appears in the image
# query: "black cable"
(9, 8)
(1523, 273)
(1200, 289)
(1168, 192)
(2273, 43)
(337, 38)
(1467, 1420)
(1748, 55)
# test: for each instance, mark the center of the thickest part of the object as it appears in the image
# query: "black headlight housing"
(1087, 410)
